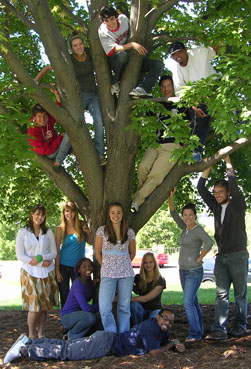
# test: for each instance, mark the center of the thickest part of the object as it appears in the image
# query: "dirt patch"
(232, 353)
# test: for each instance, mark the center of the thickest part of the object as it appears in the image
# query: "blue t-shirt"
(140, 339)
(71, 250)
(78, 298)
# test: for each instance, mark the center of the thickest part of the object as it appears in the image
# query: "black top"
(170, 106)
(154, 303)
(231, 234)
(84, 72)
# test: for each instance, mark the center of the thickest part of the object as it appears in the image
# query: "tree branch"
(64, 181)
(74, 17)
(137, 101)
(137, 20)
(20, 16)
(172, 39)
(102, 68)
(78, 132)
(154, 15)
(156, 199)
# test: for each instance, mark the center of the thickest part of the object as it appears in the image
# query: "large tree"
(27, 25)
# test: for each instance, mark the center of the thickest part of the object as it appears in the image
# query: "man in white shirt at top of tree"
(193, 65)
(113, 34)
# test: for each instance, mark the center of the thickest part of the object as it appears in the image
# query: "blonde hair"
(77, 222)
(142, 273)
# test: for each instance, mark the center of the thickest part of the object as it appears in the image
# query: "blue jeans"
(190, 282)
(151, 69)
(62, 151)
(231, 268)
(68, 274)
(91, 103)
(97, 345)
(138, 313)
(78, 323)
(106, 296)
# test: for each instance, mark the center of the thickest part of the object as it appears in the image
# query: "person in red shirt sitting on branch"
(43, 137)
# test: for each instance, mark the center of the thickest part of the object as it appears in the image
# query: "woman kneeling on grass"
(77, 316)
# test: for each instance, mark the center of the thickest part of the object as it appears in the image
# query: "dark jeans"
(118, 62)
(231, 268)
(200, 126)
(151, 69)
(68, 274)
(97, 345)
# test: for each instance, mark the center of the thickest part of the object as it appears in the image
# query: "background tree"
(27, 25)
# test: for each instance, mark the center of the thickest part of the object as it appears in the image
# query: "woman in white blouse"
(36, 248)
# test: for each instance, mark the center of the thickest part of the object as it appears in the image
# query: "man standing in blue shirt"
(151, 336)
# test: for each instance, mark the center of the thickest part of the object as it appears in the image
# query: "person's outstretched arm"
(172, 345)
(55, 92)
(236, 194)
(42, 73)
(174, 212)
(131, 45)
(203, 191)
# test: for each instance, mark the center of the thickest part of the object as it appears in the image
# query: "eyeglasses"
(219, 192)
(164, 317)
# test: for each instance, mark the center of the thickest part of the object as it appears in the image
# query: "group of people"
(113, 34)
(141, 316)
(192, 65)
(140, 323)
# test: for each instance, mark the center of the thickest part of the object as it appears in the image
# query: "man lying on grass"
(152, 335)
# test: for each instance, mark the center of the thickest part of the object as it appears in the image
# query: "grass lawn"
(171, 296)
(174, 295)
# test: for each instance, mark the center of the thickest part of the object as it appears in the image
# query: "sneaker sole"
(14, 344)
(216, 339)
(140, 96)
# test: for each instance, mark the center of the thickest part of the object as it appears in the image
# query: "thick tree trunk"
(100, 185)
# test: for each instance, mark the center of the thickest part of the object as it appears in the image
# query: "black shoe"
(216, 335)
(237, 332)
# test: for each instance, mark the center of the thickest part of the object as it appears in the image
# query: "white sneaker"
(139, 92)
(196, 156)
(15, 350)
(134, 207)
(115, 88)
(191, 339)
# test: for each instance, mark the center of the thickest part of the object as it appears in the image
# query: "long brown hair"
(109, 231)
(77, 222)
(142, 273)
(41, 208)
